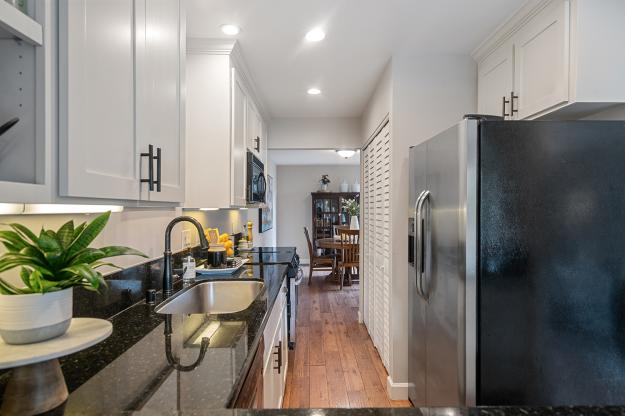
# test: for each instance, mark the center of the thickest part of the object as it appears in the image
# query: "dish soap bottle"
(188, 266)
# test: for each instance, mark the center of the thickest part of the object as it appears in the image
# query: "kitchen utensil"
(6, 126)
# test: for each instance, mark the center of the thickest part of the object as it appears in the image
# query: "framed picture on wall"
(266, 214)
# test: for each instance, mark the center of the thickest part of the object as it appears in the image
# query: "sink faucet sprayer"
(168, 283)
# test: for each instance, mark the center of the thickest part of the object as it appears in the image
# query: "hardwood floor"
(334, 363)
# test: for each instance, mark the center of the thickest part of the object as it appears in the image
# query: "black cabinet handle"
(279, 359)
(512, 98)
(158, 169)
(150, 156)
(503, 107)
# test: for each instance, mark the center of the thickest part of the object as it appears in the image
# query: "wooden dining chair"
(326, 262)
(350, 253)
(336, 229)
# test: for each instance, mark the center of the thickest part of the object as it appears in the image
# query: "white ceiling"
(361, 37)
(311, 157)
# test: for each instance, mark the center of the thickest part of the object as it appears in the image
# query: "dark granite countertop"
(129, 371)
(269, 255)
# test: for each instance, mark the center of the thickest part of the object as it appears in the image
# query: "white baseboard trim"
(304, 262)
(360, 321)
(396, 391)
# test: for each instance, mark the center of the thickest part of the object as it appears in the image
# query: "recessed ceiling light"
(346, 153)
(314, 91)
(315, 35)
(230, 30)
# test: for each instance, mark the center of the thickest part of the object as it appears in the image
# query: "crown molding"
(509, 28)
(210, 46)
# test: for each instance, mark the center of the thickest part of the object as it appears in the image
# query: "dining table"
(334, 244)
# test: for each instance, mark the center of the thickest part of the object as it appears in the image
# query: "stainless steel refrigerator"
(517, 264)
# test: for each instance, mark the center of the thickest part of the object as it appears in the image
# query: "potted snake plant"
(50, 264)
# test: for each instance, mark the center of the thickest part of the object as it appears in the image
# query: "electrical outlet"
(186, 239)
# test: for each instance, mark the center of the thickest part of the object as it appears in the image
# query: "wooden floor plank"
(335, 364)
(318, 387)
(315, 344)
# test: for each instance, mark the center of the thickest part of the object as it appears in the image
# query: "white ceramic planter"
(344, 186)
(353, 223)
(25, 319)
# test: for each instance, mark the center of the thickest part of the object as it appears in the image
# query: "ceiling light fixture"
(314, 91)
(230, 30)
(315, 35)
(346, 153)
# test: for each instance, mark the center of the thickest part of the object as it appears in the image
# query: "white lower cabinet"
(119, 97)
(276, 353)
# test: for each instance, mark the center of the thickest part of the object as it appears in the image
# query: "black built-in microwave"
(256, 182)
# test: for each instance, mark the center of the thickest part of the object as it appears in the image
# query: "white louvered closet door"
(377, 242)
(367, 260)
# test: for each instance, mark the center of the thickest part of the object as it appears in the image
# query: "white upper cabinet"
(26, 103)
(223, 120)
(496, 81)
(160, 112)
(120, 92)
(542, 61)
(97, 96)
(254, 130)
(238, 157)
(561, 56)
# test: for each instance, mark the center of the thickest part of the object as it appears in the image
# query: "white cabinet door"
(159, 63)
(254, 130)
(274, 378)
(97, 155)
(542, 60)
(495, 82)
(264, 139)
(285, 353)
(239, 148)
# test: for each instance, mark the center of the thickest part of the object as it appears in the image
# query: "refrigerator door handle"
(426, 251)
(417, 244)
(420, 243)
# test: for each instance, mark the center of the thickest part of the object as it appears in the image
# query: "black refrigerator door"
(551, 309)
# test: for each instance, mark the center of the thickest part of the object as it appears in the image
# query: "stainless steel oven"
(256, 182)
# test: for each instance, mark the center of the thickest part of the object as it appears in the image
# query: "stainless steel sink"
(213, 297)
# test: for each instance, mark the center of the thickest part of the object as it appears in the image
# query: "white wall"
(143, 229)
(428, 94)
(295, 183)
(379, 105)
(614, 113)
(314, 133)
